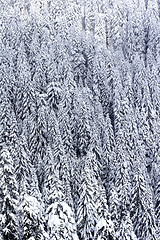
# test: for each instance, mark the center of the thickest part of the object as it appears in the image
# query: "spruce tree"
(9, 196)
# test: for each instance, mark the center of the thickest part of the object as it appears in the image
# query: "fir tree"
(9, 196)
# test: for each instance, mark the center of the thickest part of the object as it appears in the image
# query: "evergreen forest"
(79, 119)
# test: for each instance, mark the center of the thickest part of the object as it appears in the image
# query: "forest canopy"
(79, 120)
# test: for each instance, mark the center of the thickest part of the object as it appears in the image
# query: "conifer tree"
(9, 196)
(60, 216)
(142, 212)
(86, 213)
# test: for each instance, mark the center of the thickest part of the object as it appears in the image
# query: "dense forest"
(79, 120)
